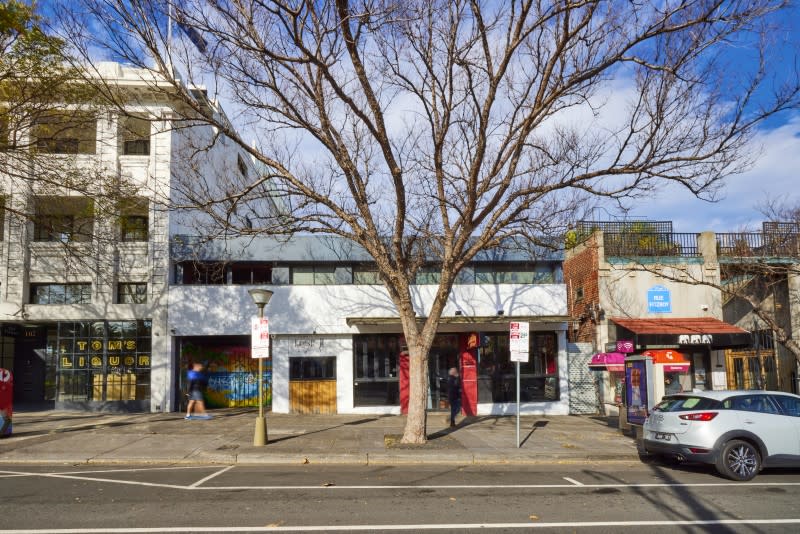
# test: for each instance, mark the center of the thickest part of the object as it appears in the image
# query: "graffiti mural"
(232, 375)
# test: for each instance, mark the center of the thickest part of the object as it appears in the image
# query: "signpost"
(519, 342)
(259, 346)
(259, 336)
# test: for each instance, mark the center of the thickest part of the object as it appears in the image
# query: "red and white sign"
(259, 338)
(518, 343)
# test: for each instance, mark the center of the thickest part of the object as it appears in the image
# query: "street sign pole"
(518, 405)
(519, 339)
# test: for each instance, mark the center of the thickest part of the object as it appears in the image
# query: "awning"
(461, 319)
(608, 361)
(672, 360)
(687, 331)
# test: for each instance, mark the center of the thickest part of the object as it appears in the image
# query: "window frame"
(127, 293)
(62, 293)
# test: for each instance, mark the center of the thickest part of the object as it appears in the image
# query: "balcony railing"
(657, 244)
(758, 245)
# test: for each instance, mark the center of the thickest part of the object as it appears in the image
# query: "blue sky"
(776, 173)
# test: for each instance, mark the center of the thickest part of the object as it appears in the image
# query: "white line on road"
(209, 477)
(574, 484)
(420, 527)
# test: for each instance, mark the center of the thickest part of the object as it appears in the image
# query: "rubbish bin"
(6, 399)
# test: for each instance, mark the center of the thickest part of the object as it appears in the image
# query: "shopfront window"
(376, 370)
(497, 373)
(102, 360)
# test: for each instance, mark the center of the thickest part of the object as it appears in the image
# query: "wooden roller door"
(312, 396)
(312, 385)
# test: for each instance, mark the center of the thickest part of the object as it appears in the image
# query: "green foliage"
(24, 46)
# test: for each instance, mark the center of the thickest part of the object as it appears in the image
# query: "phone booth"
(6, 400)
(671, 372)
(639, 391)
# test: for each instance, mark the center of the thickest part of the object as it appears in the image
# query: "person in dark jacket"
(197, 388)
(454, 394)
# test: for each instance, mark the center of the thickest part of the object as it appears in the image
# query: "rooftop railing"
(775, 244)
(655, 244)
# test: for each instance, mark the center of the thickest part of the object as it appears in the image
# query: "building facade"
(85, 247)
(657, 290)
(337, 343)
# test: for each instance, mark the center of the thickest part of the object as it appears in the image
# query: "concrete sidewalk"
(50, 437)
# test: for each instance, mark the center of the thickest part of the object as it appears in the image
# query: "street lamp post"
(261, 298)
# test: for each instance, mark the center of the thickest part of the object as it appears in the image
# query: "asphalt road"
(558, 498)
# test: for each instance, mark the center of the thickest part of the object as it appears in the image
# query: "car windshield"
(685, 403)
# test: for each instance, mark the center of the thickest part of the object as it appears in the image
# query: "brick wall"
(581, 276)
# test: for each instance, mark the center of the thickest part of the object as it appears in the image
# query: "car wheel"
(738, 460)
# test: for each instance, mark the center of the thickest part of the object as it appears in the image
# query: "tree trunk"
(416, 430)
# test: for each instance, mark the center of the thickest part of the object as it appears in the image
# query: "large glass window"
(61, 293)
(512, 273)
(200, 273)
(376, 370)
(65, 133)
(134, 132)
(102, 360)
(65, 219)
(305, 368)
(129, 293)
(366, 274)
(314, 275)
(497, 373)
(251, 273)
(134, 219)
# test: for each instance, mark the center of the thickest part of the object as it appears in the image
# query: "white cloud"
(774, 175)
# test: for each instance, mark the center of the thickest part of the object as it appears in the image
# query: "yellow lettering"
(66, 362)
(97, 345)
(129, 360)
(81, 345)
(144, 360)
(130, 344)
(113, 360)
(97, 361)
(115, 345)
(81, 361)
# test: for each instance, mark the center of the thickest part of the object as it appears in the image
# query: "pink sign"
(624, 346)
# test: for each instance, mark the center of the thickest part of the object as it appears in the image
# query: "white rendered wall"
(311, 321)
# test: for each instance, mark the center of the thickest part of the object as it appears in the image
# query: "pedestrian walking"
(197, 387)
(454, 394)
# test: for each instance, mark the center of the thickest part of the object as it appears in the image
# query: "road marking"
(574, 484)
(444, 526)
(209, 477)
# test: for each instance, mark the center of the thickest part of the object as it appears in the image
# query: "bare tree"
(427, 131)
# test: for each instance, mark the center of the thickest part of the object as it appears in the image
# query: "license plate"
(663, 436)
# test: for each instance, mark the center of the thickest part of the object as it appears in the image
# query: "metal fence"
(758, 245)
(630, 244)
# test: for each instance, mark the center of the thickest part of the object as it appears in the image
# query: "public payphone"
(639, 394)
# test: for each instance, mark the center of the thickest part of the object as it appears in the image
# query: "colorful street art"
(232, 375)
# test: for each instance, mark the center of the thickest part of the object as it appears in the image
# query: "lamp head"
(260, 296)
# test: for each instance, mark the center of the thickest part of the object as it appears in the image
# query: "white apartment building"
(84, 273)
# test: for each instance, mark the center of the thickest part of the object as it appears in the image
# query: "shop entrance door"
(443, 356)
(29, 371)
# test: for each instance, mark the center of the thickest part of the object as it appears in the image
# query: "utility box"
(6, 401)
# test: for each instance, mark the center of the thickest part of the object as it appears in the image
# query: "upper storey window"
(64, 219)
(134, 133)
(134, 220)
(65, 133)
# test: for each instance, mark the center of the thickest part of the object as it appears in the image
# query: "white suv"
(739, 432)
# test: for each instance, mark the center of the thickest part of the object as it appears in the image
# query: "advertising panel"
(636, 391)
